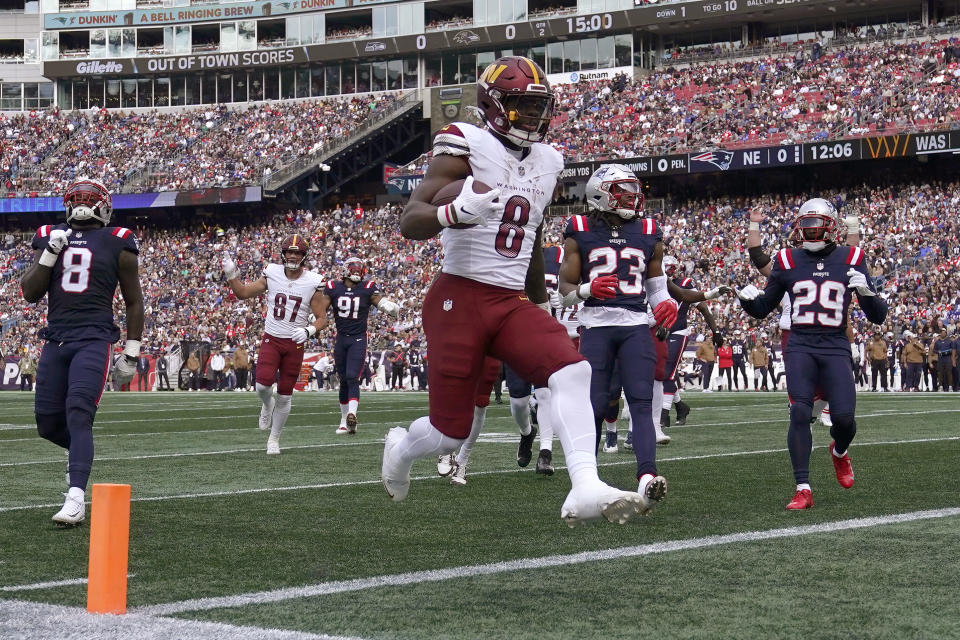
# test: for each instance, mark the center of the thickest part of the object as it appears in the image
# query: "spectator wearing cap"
(758, 358)
(707, 354)
(241, 364)
(399, 365)
(912, 361)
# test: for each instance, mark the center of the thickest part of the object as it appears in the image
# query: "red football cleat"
(802, 499)
(843, 467)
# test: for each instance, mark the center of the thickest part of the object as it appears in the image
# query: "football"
(450, 192)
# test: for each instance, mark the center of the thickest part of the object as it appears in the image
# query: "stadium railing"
(283, 175)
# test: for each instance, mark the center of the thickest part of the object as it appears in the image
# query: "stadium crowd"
(910, 235)
(804, 95)
(181, 150)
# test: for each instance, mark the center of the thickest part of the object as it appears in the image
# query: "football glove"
(718, 339)
(716, 292)
(601, 288)
(389, 307)
(56, 243)
(124, 369)
(749, 292)
(230, 270)
(662, 333)
(666, 313)
(470, 207)
(302, 334)
(853, 225)
(555, 299)
(858, 281)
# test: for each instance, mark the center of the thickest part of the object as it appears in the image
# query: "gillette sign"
(97, 67)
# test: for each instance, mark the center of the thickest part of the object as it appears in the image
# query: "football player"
(78, 266)
(350, 298)
(738, 349)
(293, 292)
(485, 300)
(819, 276)
(682, 289)
(612, 265)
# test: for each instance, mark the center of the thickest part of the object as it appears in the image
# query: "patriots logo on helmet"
(719, 159)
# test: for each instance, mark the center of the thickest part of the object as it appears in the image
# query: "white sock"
(76, 493)
(265, 393)
(479, 417)
(802, 486)
(610, 426)
(657, 403)
(353, 405)
(520, 410)
(572, 416)
(667, 399)
(423, 440)
(280, 413)
(344, 409)
(544, 417)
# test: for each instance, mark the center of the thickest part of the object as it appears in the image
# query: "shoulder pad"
(330, 284)
(579, 223)
(855, 256)
(687, 283)
(121, 232)
(44, 231)
(785, 259)
(370, 285)
(649, 226)
(451, 141)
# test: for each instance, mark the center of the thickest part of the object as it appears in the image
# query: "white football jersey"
(499, 254)
(288, 301)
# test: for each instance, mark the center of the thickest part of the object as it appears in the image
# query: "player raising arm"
(819, 276)
(78, 266)
(288, 286)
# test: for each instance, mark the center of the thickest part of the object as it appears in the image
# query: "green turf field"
(308, 542)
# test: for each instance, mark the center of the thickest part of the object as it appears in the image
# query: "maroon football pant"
(279, 355)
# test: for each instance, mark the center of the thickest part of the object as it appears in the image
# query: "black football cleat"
(683, 410)
(664, 418)
(525, 450)
(545, 462)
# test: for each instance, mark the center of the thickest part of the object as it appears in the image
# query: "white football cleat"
(610, 449)
(459, 477)
(599, 500)
(266, 414)
(446, 464)
(825, 419)
(73, 511)
(342, 430)
(662, 438)
(395, 480)
(273, 447)
(653, 491)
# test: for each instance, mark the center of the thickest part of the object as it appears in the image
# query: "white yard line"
(527, 564)
(36, 586)
(358, 483)
(33, 620)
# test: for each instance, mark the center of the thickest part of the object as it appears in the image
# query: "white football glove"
(56, 243)
(230, 270)
(470, 207)
(858, 281)
(555, 299)
(302, 334)
(716, 292)
(854, 352)
(124, 369)
(749, 292)
(853, 225)
(389, 307)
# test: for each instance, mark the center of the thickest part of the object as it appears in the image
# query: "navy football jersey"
(413, 357)
(623, 250)
(739, 349)
(350, 305)
(684, 307)
(819, 295)
(83, 282)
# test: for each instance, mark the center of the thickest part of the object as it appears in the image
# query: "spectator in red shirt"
(725, 360)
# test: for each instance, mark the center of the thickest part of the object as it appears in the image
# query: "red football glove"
(666, 313)
(605, 287)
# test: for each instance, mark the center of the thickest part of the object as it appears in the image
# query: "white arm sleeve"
(656, 290)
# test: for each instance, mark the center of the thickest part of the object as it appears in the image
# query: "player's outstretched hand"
(124, 370)
(716, 292)
(749, 292)
(230, 270)
(470, 207)
(858, 281)
(58, 240)
(756, 214)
